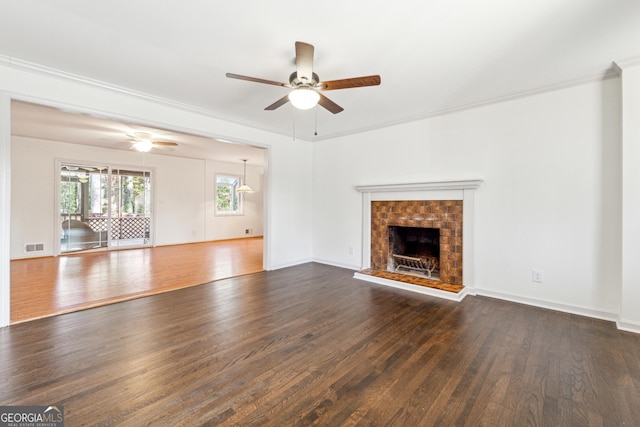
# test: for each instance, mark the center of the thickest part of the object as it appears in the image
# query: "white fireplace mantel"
(422, 186)
(437, 190)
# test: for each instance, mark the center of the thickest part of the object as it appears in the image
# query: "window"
(228, 200)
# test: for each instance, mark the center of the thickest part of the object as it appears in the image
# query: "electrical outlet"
(350, 250)
(537, 276)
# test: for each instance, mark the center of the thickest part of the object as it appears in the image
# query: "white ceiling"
(52, 124)
(433, 56)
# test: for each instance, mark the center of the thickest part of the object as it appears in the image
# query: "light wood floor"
(311, 345)
(48, 286)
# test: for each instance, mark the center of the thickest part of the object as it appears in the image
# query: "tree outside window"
(228, 200)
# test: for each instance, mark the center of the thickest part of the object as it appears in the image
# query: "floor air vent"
(34, 247)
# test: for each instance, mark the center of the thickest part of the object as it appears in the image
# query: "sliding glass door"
(130, 208)
(83, 203)
(103, 207)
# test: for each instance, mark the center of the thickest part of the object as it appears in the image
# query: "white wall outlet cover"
(537, 276)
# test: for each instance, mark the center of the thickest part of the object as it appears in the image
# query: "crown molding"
(86, 81)
(613, 72)
(621, 64)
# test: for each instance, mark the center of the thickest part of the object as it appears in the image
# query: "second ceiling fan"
(307, 86)
(144, 142)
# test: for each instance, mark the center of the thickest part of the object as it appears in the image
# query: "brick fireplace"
(446, 207)
(443, 215)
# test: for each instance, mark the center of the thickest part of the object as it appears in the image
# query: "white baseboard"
(565, 308)
(629, 326)
(451, 296)
(289, 264)
(337, 264)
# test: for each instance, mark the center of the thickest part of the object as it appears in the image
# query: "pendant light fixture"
(244, 188)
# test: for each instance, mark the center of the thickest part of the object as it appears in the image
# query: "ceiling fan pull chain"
(293, 121)
(315, 131)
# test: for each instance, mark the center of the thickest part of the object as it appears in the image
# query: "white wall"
(550, 198)
(630, 298)
(294, 183)
(288, 201)
(180, 199)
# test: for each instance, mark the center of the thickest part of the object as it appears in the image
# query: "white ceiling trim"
(52, 72)
(609, 74)
(627, 63)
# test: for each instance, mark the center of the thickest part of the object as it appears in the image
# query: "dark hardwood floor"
(310, 345)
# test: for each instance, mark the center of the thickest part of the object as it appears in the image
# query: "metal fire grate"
(425, 265)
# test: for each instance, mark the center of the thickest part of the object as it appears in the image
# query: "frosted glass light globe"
(304, 98)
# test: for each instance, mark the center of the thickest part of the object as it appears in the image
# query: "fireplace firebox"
(414, 250)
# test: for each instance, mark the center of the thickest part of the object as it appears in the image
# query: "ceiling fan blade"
(304, 61)
(349, 83)
(279, 103)
(165, 143)
(256, 80)
(329, 104)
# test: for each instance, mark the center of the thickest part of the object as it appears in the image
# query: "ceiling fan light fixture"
(143, 145)
(304, 98)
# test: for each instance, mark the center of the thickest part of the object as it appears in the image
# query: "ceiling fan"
(143, 141)
(306, 84)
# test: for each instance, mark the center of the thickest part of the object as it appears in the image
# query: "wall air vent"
(34, 247)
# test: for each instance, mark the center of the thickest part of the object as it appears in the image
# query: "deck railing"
(126, 227)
